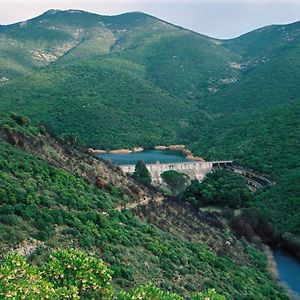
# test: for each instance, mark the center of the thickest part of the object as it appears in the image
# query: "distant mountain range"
(134, 80)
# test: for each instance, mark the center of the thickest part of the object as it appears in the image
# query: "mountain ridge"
(70, 10)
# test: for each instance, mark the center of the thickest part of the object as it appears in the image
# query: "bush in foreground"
(72, 274)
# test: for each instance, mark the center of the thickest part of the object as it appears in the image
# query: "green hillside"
(104, 103)
(134, 80)
(45, 207)
(257, 120)
(29, 45)
(116, 67)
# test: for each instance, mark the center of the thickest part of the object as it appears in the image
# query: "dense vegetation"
(177, 182)
(129, 80)
(71, 274)
(43, 207)
(115, 67)
(281, 204)
(221, 188)
(141, 173)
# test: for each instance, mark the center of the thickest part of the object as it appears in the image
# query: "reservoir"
(288, 267)
(148, 156)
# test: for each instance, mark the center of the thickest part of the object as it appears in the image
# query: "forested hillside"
(45, 207)
(134, 80)
(139, 73)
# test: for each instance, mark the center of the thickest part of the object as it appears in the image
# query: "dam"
(194, 169)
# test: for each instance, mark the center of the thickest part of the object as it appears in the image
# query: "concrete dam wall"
(199, 169)
(194, 169)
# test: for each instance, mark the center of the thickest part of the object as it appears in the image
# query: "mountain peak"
(52, 11)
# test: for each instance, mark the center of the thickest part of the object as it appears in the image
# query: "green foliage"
(71, 274)
(35, 194)
(213, 96)
(188, 94)
(151, 292)
(88, 275)
(19, 280)
(46, 203)
(210, 294)
(140, 74)
(177, 182)
(15, 123)
(281, 203)
(148, 292)
(141, 173)
(219, 188)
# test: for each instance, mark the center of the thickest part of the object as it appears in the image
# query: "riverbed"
(148, 156)
(288, 267)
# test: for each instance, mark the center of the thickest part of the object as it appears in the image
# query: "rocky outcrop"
(138, 149)
(120, 151)
(181, 148)
(95, 152)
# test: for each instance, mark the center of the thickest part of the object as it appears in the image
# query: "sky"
(215, 18)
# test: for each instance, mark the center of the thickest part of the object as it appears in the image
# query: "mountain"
(158, 83)
(134, 80)
(181, 86)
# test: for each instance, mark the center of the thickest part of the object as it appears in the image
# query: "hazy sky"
(217, 18)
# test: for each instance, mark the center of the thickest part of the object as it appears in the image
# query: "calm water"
(288, 267)
(148, 156)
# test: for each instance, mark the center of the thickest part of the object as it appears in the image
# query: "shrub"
(74, 268)
(177, 182)
(141, 173)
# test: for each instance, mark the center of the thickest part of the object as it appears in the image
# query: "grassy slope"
(62, 210)
(27, 46)
(181, 62)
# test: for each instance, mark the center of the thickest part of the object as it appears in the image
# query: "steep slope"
(35, 43)
(45, 207)
(107, 104)
(257, 122)
(115, 67)
(262, 45)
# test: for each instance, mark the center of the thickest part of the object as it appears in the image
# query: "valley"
(72, 81)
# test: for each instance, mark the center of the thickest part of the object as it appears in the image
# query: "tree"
(177, 182)
(193, 193)
(141, 173)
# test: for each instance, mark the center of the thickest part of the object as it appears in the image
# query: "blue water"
(288, 267)
(148, 156)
